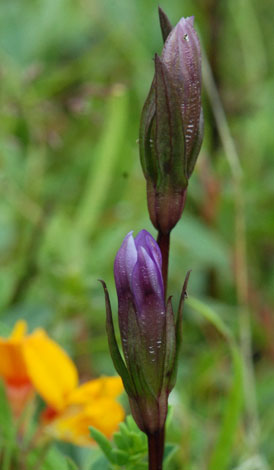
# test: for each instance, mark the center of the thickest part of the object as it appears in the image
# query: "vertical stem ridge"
(156, 449)
(163, 241)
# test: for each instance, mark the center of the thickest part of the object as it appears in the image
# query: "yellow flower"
(52, 372)
(36, 362)
(90, 404)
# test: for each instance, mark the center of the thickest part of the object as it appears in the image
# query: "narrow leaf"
(103, 442)
(221, 456)
(71, 464)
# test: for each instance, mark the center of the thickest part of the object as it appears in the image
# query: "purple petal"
(124, 263)
(146, 283)
(149, 300)
(151, 246)
(182, 57)
(147, 289)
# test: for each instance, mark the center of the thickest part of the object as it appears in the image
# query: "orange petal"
(12, 363)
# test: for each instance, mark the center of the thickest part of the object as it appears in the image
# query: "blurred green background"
(73, 78)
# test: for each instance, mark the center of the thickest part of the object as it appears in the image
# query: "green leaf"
(130, 450)
(105, 157)
(120, 440)
(101, 464)
(131, 425)
(49, 459)
(221, 455)
(121, 457)
(169, 451)
(71, 465)
(103, 442)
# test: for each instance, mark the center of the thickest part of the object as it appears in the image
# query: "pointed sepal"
(136, 357)
(178, 329)
(165, 24)
(180, 311)
(170, 354)
(113, 346)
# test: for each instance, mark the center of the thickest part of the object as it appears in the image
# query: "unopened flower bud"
(149, 333)
(171, 129)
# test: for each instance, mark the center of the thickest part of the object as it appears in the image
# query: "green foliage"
(74, 76)
(7, 431)
(129, 448)
(49, 459)
(15, 453)
(221, 454)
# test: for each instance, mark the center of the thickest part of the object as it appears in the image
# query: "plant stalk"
(156, 443)
(163, 241)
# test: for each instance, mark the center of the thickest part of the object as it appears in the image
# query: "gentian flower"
(171, 128)
(35, 363)
(148, 331)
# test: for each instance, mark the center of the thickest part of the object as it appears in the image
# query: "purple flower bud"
(139, 284)
(171, 128)
(148, 331)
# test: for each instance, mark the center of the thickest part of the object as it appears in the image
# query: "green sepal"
(168, 138)
(137, 358)
(192, 158)
(147, 156)
(166, 26)
(178, 327)
(113, 346)
(170, 344)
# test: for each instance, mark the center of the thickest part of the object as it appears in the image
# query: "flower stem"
(163, 241)
(156, 443)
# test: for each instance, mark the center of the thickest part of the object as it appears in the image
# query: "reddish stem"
(163, 241)
(156, 443)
